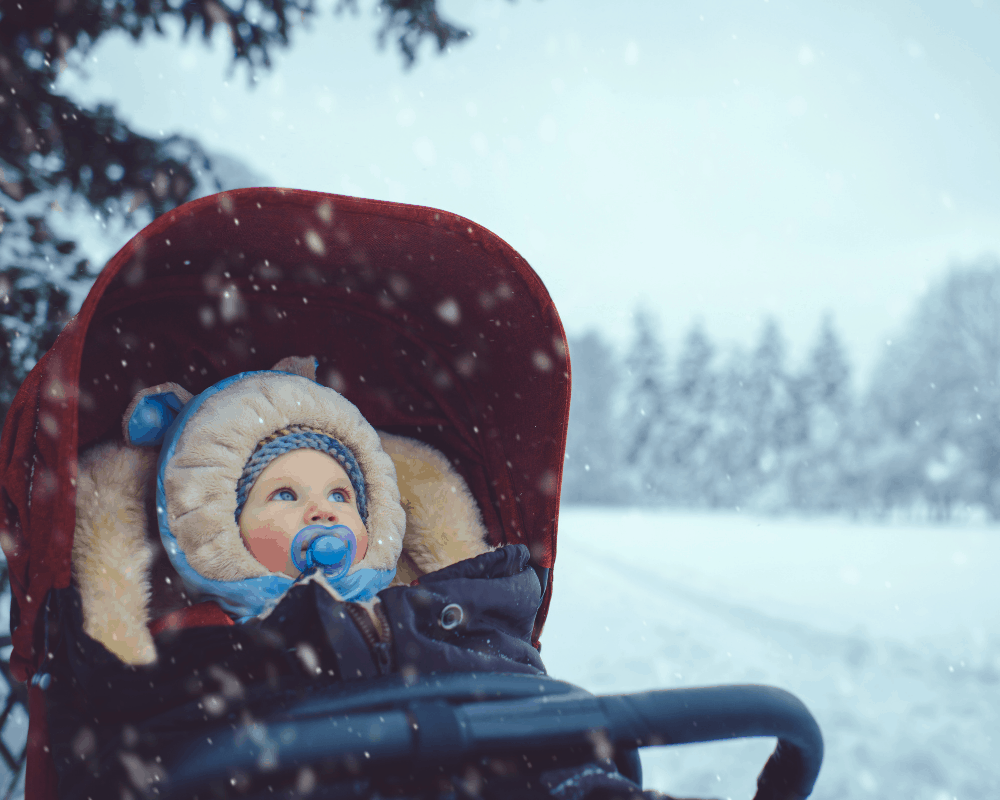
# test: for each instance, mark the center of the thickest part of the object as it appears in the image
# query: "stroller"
(454, 342)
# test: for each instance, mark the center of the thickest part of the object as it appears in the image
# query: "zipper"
(381, 650)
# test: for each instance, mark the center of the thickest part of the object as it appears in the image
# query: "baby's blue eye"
(338, 496)
(285, 494)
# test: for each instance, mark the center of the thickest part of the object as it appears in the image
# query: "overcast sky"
(719, 160)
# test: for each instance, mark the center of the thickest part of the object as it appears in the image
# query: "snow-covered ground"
(889, 634)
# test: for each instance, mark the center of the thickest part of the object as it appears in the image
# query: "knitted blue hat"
(299, 437)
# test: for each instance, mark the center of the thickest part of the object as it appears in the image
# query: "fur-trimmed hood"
(130, 570)
(205, 444)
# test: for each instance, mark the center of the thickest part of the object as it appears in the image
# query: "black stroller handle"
(684, 716)
(434, 731)
(663, 717)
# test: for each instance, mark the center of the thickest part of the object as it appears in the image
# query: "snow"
(889, 634)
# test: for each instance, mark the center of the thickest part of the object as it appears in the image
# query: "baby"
(269, 505)
(260, 478)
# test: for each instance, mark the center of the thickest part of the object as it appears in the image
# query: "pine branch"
(410, 21)
(52, 147)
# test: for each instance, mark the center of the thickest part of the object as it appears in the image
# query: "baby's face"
(300, 488)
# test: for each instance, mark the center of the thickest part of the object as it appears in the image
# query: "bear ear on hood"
(298, 365)
(151, 411)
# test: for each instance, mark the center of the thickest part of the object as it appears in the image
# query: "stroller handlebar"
(683, 716)
(663, 717)
(434, 730)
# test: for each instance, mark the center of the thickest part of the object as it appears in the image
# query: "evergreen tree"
(593, 472)
(693, 422)
(828, 373)
(770, 418)
(56, 155)
(734, 456)
(824, 463)
(935, 397)
(644, 419)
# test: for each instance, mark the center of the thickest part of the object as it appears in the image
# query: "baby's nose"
(320, 513)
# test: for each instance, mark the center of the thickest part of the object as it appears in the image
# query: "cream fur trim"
(200, 479)
(443, 522)
(111, 553)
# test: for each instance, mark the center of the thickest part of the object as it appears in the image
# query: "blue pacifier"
(330, 548)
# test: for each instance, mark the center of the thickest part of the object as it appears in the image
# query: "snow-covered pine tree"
(733, 455)
(693, 423)
(37, 276)
(644, 417)
(823, 464)
(935, 400)
(593, 472)
(828, 372)
(770, 419)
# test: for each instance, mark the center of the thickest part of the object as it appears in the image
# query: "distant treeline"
(742, 430)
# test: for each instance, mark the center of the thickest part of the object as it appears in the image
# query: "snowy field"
(889, 634)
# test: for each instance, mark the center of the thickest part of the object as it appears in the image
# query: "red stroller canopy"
(433, 326)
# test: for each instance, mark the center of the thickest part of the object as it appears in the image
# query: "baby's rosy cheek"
(269, 547)
(362, 550)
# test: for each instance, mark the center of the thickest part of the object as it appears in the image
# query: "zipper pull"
(382, 657)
